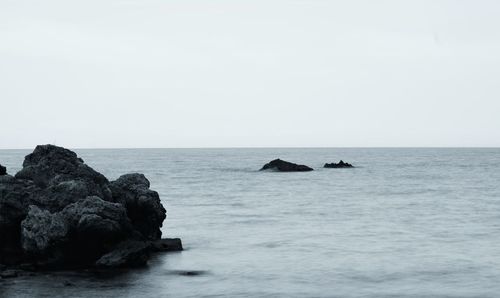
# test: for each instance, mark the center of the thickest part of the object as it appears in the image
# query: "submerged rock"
(341, 164)
(285, 166)
(167, 244)
(126, 254)
(59, 212)
(190, 272)
(132, 253)
(3, 170)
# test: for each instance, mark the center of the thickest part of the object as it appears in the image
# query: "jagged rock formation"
(59, 212)
(285, 166)
(341, 164)
(3, 170)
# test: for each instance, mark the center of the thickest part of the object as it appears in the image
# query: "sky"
(228, 73)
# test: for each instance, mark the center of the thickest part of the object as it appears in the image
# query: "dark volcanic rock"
(285, 166)
(42, 231)
(15, 197)
(58, 212)
(97, 217)
(143, 205)
(167, 244)
(63, 176)
(341, 164)
(77, 235)
(3, 170)
(95, 227)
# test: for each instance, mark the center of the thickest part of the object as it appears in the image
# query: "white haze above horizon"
(151, 73)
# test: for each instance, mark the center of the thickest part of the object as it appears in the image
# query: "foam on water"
(403, 223)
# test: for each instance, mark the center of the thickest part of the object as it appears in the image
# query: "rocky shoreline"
(59, 213)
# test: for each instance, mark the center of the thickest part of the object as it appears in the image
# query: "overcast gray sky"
(151, 73)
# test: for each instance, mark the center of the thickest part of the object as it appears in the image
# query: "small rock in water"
(190, 272)
(285, 166)
(341, 164)
(167, 244)
(68, 284)
(3, 170)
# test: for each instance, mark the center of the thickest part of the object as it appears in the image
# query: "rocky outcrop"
(285, 166)
(59, 212)
(3, 170)
(341, 164)
(63, 177)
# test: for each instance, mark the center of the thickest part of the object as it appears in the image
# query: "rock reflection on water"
(150, 281)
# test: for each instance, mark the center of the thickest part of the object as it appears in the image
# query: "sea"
(405, 222)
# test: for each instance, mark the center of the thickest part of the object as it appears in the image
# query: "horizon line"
(268, 147)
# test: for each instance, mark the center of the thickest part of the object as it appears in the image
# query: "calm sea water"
(403, 223)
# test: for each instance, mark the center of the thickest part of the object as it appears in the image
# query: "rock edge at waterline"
(341, 164)
(285, 166)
